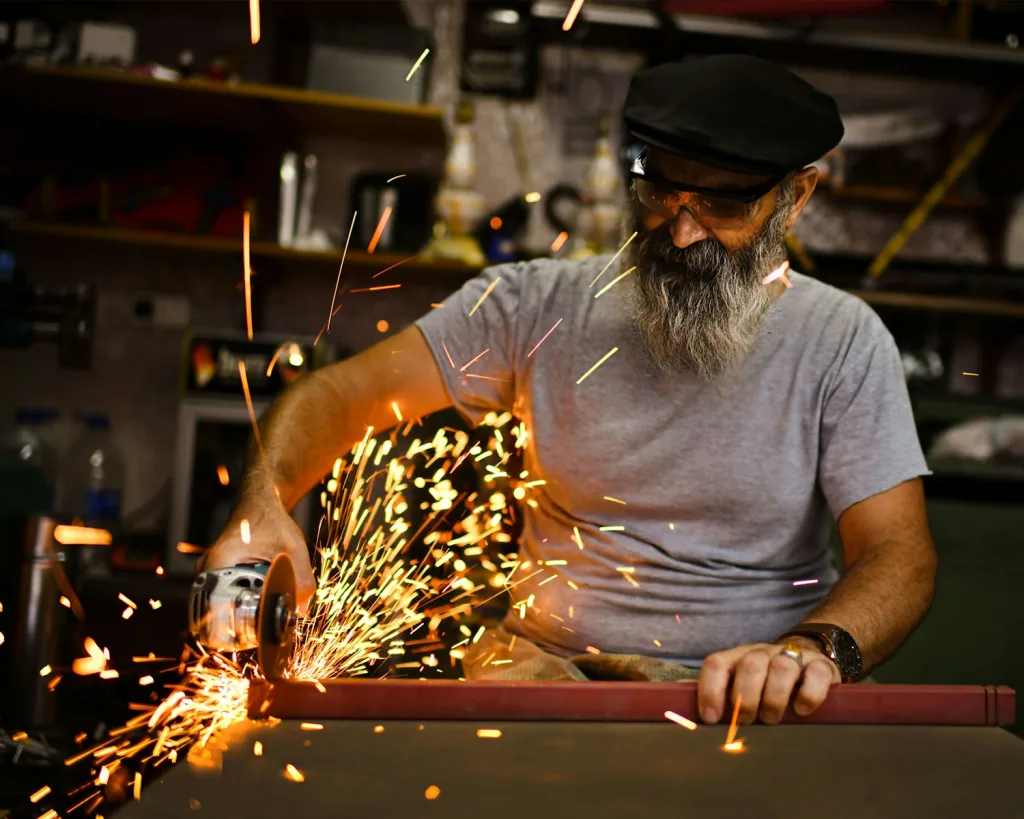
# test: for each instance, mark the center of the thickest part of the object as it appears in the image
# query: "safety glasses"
(711, 207)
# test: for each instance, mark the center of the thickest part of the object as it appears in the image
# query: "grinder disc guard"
(276, 619)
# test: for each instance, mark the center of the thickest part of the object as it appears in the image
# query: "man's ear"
(804, 183)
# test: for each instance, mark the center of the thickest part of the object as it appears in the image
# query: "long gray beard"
(700, 308)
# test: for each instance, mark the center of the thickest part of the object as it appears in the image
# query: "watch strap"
(822, 632)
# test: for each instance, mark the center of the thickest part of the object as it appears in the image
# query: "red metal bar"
(612, 701)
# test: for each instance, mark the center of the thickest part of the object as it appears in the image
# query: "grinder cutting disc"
(276, 618)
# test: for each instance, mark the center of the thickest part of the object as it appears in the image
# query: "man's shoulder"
(548, 274)
(825, 302)
(832, 317)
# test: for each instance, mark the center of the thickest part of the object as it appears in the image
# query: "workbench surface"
(599, 769)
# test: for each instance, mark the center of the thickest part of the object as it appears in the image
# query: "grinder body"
(247, 607)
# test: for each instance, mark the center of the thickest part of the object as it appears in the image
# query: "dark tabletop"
(598, 770)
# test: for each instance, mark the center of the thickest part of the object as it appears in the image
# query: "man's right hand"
(272, 532)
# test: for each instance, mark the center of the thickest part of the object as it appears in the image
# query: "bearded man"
(688, 479)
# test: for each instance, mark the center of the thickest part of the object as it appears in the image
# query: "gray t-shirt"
(723, 494)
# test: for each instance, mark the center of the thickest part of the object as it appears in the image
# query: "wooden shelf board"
(357, 260)
(108, 94)
(903, 196)
(943, 304)
(361, 261)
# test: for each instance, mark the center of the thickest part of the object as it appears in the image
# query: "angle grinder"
(247, 607)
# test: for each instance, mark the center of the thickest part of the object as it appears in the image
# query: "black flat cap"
(733, 111)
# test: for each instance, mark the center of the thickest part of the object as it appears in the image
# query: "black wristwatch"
(838, 646)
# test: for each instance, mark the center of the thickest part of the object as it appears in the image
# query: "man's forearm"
(323, 415)
(302, 434)
(881, 598)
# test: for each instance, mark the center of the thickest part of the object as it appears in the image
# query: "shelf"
(901, 196)
(941, 304)
(436, 272)
(355, 261)
(107, 94)
(836, 45)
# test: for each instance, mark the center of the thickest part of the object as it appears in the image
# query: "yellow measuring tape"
(955, 170)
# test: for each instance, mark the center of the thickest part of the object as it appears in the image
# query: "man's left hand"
(764, 680)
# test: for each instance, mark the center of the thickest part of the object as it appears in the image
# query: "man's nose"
(686, 230)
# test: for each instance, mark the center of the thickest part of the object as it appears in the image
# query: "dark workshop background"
(137, 192)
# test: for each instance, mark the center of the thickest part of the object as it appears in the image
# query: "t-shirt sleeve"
(869, 439)
(474, 339)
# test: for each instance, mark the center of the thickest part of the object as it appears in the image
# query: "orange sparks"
(380, 229)
(246, 269)
(382, 326)
(293, 773)
(447, 353)
(82, 536)
(487, 292)
(188, 549)
(311, 726)
(378, 287)
(733, 747)
(613, 258)
(549, 332)
(42, 793)
(257, 748)
(495, 223)
(126, 601)
(45, 670)
(735, 720)
(593, 650)
(254, 21)
(137, 790)
(65, 602)
(614, 500)
(432, 792)
(488, 733)
(147, 680)
(320, 687)
(386, 269)
(243, 531)
(127, 613)
(109, 674)
(160, 569)
(378, 729)
(778, 273)
(474, 360)
(559, 241)
(223, 476)
(252, 417)
(418, 63)
(974, 374)
(393, 178)
(680, 720)
(398, 412)
(604, 358)
(21, 735)
(613, 282)
(576, 536)
(50, 814)
(570, 18)
(436, 304)
(337, 281)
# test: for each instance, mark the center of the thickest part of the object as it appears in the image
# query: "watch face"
(847, 654)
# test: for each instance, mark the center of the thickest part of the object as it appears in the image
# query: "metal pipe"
(38, 634)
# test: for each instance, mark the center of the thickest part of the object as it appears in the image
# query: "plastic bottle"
(30, 461)
(94, 483)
